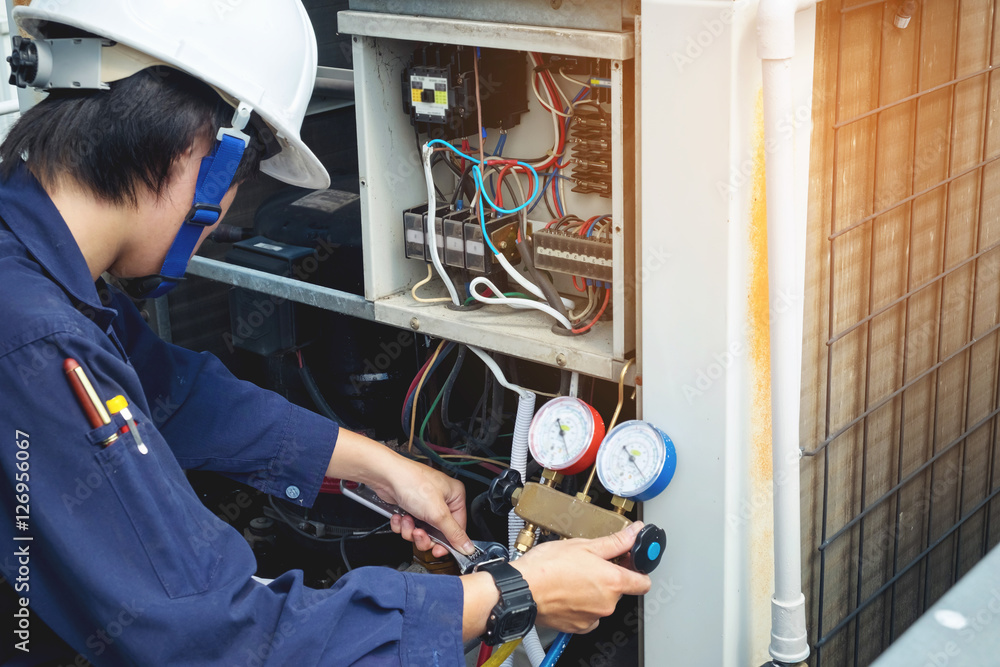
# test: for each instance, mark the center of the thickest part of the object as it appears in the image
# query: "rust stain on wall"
(758, 312)
(758, 339)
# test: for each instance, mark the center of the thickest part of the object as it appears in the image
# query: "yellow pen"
(119, 404)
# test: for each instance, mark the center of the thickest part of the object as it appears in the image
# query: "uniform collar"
(34, 219)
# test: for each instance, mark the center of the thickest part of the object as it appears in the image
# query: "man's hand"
(428, 495)
(422, 491)
(573, 583)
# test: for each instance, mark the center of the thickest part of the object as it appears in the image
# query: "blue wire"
(590, 230)
(408, 407)
(556, 650)
(555, 189)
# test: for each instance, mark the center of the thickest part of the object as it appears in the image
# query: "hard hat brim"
(295, 164)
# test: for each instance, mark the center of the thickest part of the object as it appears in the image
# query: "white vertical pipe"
(786, 248)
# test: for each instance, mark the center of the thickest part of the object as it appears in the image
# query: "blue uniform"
(124, 563)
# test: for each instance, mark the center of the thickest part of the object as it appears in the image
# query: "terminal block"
(414, 232)
(459, 239)
(570, 253)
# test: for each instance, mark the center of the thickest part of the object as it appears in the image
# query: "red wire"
(583, 228)
(607, 297)
(578, 288)
(484, 654)
(413, 387)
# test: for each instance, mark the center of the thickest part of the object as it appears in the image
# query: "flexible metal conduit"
(786, 239)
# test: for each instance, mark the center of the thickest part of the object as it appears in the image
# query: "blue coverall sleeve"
(127, 565)
(214, 421)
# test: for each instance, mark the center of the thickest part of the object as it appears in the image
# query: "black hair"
(120, 142)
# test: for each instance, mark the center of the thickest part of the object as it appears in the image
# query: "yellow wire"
(416, 394)
(467, 457)
(430, 276)
(501, 654)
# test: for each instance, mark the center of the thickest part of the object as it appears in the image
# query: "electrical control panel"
(519, 136)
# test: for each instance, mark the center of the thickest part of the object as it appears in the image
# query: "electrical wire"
(604, 306)
(470, 458)
(420, 299)
(416, 394)
(498, 374)
(515, 303)
(431, 222)
(563, 74)
(343, 541)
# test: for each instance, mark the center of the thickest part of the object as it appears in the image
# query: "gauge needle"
(632, 459)
(562, 435)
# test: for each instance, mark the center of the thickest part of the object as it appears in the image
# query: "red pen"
(87, 397)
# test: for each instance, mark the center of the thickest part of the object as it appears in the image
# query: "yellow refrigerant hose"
(501, 654)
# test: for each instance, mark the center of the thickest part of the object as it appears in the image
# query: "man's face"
(158, 219)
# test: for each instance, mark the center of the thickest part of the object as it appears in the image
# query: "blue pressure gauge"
(636, 460)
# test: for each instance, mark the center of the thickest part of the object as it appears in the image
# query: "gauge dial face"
(563, 435)
(635, 458)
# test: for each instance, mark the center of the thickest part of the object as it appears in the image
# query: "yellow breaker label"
(429, 95)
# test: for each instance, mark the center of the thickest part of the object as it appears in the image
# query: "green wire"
(436, 457)
(509, 295)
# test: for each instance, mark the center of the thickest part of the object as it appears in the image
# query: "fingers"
(455, 534)
(616, 544)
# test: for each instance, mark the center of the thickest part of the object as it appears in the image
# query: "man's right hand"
(574, 584)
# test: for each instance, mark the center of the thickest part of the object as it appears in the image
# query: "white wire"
(525, 283)
(431, 214)
(514, 302)
(546, 106)
(501, 378)
(563, 74)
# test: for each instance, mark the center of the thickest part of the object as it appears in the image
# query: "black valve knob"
(23, 62)
(502, 488)
(647, 551)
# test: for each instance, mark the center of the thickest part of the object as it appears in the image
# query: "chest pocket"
(181, 538)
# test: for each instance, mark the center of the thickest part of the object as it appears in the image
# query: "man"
(124, 168)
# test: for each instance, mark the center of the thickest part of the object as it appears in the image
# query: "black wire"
(540, 279)
(317, 397)
(343, 541)
(477, 509)
(340, 532)
(449, 384)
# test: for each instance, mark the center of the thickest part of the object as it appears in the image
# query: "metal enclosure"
(391, 181)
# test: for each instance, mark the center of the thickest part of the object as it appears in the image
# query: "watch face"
(515, 623)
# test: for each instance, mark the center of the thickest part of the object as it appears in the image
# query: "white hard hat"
(261, 53)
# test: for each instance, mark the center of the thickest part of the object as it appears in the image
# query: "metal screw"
(415, 324)
(561, 360)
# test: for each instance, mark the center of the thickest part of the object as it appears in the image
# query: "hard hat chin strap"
(214, 180)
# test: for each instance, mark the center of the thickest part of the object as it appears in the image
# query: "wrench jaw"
(485, 551)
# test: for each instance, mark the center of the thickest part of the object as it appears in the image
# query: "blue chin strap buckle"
(214, 179)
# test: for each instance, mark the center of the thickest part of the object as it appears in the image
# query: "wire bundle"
(498, 172)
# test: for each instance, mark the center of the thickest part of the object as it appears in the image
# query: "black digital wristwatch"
(514, 615)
